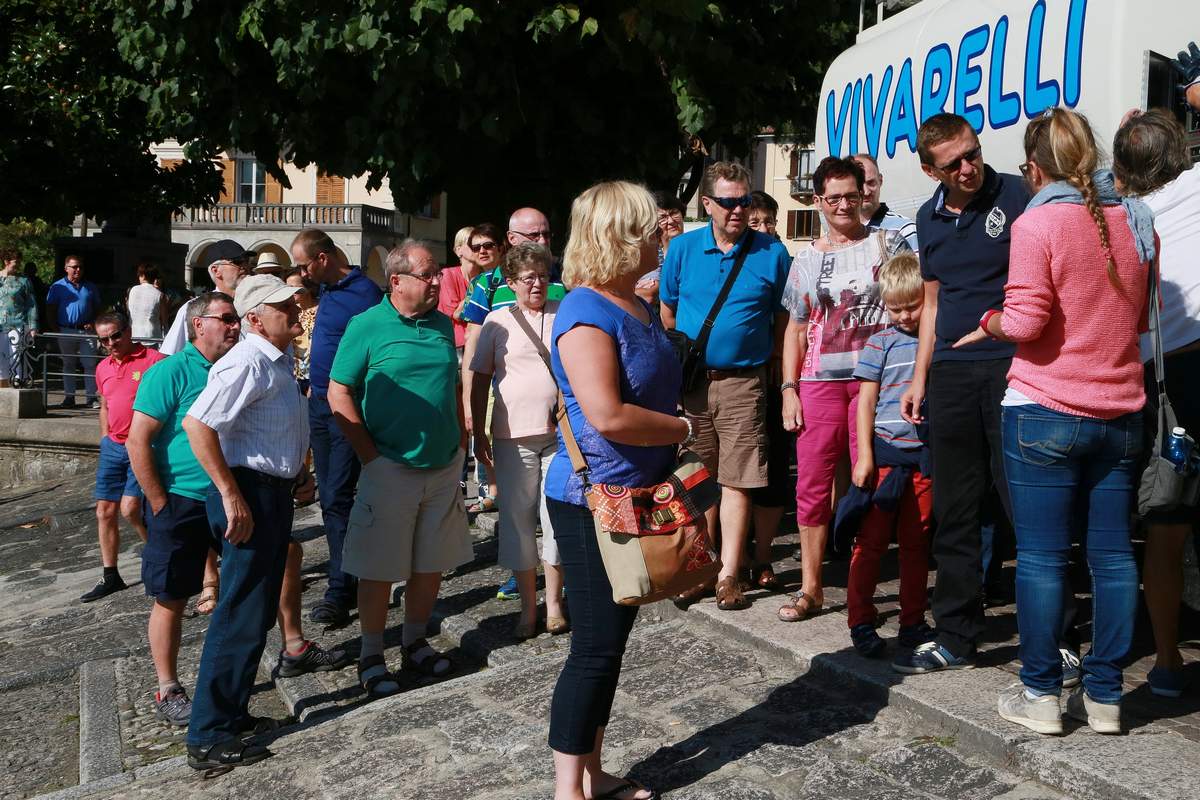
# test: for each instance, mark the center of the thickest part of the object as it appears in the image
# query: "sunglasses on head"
(730, 203)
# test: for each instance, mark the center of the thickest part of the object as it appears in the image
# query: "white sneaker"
(1100, 717)
(1040, 714)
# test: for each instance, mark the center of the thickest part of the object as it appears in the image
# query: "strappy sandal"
(371, 684)
(206, 603)
(763, 576)
(428, 665)
(792, 610)
(628, 785)
(693, 595)
(729, 595)
(223, 756)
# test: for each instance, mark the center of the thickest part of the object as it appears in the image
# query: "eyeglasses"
(112, 337)
(530, 280)
(1024, 168)
(425, 279)
(835, 200)
(229, 320)
(956, 164)
(730, 203)
(534, 235)
(475, 248)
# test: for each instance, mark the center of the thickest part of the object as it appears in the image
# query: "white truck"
(999, 63)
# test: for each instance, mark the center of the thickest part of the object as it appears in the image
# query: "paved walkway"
(711, 704)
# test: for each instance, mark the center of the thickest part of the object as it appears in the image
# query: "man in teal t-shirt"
(394, 391)
(178, 560)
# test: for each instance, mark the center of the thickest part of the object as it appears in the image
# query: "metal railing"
(34, 363)
(292, 215)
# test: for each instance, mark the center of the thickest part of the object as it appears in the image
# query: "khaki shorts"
(406, 520)
(729, 417)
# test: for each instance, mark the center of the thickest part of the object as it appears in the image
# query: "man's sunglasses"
(227, 319)
(475, 248)
(730, 203)
(956, 164)
(112, 337)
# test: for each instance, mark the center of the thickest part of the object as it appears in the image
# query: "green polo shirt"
(166, 393)
(404, 374)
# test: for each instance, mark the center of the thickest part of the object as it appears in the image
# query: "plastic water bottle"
(1179, 450)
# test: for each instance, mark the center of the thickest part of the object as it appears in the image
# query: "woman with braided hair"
(1075, 302)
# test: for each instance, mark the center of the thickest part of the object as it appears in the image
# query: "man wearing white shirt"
(229, 262)
(248, 430)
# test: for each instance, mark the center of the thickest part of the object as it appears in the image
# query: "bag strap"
(706, 329)
(578, 462)
(1160, 377)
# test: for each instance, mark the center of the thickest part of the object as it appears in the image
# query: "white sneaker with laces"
(1100, 717)
(1040, 714)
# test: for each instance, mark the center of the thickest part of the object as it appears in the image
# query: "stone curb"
(1143, 765)
(99, 728)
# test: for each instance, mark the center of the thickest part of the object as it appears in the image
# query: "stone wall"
(45, 449)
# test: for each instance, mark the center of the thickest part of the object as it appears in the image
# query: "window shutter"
(229, 174)
(273, 191)
(331, 189)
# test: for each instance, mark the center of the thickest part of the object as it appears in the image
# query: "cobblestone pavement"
(694, 717)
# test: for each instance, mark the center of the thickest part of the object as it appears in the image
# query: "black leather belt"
(264, 478)
(722, 374)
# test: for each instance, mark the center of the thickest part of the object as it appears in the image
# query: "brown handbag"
(653, 540)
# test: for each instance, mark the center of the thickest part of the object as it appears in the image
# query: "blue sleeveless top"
(650, 377)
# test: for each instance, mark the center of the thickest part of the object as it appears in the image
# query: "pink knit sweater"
(1077, 336)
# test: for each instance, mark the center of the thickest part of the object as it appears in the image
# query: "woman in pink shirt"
(1075, 301)
(523, 438)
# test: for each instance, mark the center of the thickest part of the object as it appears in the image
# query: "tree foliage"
(498, 103)
(76, 128)
(485, 99)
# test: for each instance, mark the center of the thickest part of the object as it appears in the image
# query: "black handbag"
(689, 351)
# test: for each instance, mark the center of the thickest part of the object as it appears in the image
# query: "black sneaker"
(104, 589)
(313, 658)
(329, 614)
(67, 403)
(226, 755)
(174, 709)
(867, 641)
(913, 636)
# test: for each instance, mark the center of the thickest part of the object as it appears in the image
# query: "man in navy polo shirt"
(964, 232)
(727, 410)
(345, 292)
(72, 305)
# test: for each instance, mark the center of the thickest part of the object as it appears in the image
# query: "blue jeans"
(337, 479)
(251, 578)
(1059, 465)
(583, 696)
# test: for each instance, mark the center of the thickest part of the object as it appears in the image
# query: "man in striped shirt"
(249, 431)
(875, 213)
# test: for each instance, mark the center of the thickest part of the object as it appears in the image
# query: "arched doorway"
(374, 267)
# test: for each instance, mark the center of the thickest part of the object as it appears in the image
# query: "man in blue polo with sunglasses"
(742, 354)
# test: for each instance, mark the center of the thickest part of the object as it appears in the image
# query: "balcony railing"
(336, 216)
(802, 187)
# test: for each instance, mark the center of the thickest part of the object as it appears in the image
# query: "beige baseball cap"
(257, 289)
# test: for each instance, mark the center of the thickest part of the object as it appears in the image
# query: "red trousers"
(911, 522)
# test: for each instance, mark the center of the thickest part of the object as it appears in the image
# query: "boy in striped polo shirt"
(902, 492)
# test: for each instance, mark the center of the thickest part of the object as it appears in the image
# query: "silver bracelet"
(691, 434)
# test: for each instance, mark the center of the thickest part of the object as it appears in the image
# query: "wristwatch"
(691, 434)
(783, 387)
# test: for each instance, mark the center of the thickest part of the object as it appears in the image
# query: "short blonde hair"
(463, 236)
(610, 223)
(900, 278)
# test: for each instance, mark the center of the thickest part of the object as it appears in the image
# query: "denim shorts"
(114, 476)
(176, 548)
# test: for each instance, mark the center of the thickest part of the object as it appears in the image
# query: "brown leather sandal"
(793, 611)
(729, 595)
(693, 595)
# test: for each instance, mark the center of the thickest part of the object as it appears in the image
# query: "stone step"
(1143, 765)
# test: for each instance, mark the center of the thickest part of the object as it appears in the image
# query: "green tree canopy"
(76, 125)
(498, 103)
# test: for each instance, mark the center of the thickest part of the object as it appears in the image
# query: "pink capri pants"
(830, 428)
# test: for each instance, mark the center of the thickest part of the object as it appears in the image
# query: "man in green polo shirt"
(175, 561)
(394, 392)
